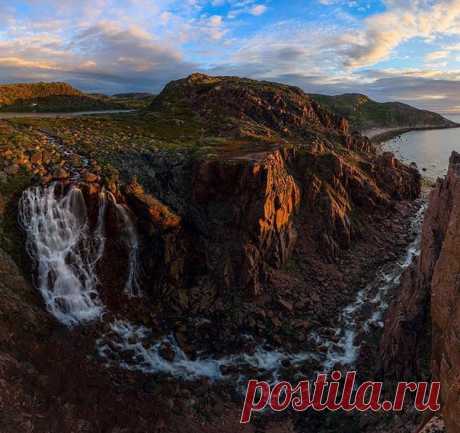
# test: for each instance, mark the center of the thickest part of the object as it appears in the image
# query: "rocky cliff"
(257, 211)
(279, 152)
(445, 293)
(425, 318)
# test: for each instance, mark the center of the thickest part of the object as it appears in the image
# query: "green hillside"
(364, 113)
(49, 97)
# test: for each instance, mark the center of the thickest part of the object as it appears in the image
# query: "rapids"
(66, 251)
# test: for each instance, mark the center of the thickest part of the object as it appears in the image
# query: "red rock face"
(445, 295)
(243, 214)
(432, 281)
(251, 206)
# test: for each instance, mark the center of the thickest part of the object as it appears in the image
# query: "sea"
(429, 149)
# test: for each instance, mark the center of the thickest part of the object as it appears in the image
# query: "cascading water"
(131, 346)
(145, 355)
(345, 351)
(65, 250)
(132, 286)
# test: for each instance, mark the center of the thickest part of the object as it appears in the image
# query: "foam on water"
(144, 354)
(346, 351)
(134, 348)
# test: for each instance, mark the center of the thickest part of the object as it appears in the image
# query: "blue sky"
(406, 50)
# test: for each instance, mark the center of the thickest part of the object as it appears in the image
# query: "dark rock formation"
(427, 310)
(445, 293)
(226, 222)
(219, 226)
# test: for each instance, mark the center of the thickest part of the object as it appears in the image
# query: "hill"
(134, 95)
(134, 100)
(49, 97)
(249, 109)
(249, 218)
(364, 113)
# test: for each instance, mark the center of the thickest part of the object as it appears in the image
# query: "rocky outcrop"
(249, 206)
(255, 110)
(222, 223)
(427, 310)
(151, 209)
(445, 294)
(222, 226)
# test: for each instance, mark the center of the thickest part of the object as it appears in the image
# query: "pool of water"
(430, 150)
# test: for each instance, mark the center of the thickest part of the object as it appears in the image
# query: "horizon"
(390, 50)
(445, 114)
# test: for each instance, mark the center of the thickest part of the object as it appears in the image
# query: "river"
(60, 114)
(429, 149)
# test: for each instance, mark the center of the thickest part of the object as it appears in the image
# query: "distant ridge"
(363, 113)
(134, 95)
(11, 93)
(47, 97)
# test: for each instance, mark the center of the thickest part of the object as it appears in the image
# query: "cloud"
(404, 20)
(117, 45)
(436, 55)
(258, 10)
(103, 56)
(250, 7)
(215, 20)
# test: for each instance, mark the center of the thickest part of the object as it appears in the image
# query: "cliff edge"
(425, 318)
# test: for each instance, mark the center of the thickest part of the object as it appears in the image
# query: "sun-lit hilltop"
(46, 97)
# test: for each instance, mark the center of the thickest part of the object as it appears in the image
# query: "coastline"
(380, 135)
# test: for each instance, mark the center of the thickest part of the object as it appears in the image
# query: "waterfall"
(65, 250)
(134, 347)
(132, 286)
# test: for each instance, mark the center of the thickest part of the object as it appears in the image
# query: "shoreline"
(384, 134)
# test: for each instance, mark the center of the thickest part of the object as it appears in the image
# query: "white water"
(144, 354)
(132, 286)
(346, 351)
(65, 251)
(134, 348)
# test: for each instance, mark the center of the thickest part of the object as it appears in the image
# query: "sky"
(406, 50)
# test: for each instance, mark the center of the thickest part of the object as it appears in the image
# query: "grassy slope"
(364, 113)
(49, 97)
(135, 101)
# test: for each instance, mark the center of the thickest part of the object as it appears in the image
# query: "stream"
(341, 350)
(66, 250)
